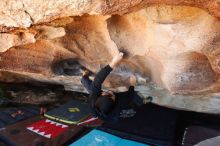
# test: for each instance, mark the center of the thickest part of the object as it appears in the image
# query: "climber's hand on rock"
(133, 80)
(85, 73)
(116, 60)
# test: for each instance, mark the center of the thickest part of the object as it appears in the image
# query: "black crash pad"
(6, 118)
(152, 124)
(72, 112)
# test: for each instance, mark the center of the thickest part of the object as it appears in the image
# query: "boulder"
(172, 47)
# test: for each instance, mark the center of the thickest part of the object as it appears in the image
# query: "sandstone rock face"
(172, 49)
(8, 40)
(25, 13)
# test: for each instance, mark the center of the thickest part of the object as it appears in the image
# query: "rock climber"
(108, 105)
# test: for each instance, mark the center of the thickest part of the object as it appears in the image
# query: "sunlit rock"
(172, 48)
(8, 40)
(48, 32)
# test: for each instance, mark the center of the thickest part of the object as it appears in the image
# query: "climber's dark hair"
(104, 104)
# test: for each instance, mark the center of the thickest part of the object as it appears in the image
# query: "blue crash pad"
(100, 138)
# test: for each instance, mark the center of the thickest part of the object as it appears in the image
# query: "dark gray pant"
(86, 82)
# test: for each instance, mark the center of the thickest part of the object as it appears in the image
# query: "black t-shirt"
(125, 104)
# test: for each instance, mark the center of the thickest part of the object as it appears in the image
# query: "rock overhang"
(175, 46)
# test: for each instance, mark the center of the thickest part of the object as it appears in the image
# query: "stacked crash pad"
(56, 128)
(101, 138)
(152, 124)
(32, 132)
(72, 112)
